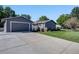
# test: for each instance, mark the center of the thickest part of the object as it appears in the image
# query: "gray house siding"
(50, 25)
(17, 26)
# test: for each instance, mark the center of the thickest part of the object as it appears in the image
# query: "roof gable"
(44, 21)
(13, 18)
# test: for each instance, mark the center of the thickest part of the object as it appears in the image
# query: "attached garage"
(17, 24)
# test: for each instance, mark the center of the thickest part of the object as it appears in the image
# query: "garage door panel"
(20, 27)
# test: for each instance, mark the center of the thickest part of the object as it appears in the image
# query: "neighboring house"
(48, 24)
(15, 24)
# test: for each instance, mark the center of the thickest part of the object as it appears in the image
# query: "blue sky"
(51, 11)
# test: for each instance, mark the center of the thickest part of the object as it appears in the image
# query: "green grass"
(68, 35)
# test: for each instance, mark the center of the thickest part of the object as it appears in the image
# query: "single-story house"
(20, 23)
(44, 25)
(16, 24)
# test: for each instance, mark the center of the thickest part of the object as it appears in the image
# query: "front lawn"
(68, 35)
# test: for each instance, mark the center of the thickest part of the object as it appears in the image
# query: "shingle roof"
(42, 21)
(3, 20)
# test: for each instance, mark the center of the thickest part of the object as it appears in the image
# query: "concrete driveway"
(35, 43)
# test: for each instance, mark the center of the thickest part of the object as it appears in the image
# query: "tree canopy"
(43, 18)
(70, 20)
(26, 16)
(9, 12)
(75, 12)
(6, 12)
(1, 8)
(62, 18)
(71, 23)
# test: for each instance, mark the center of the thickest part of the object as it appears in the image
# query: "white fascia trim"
(5, 26)
(18, 22)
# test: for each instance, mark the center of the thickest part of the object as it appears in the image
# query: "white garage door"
(16, 26)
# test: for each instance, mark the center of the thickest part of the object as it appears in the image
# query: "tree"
(26, 16)
(9, 12)
(17, 15)
(62, 18)
(1, 16)
(6, 12)
(72, 23)
(75, 12)
(12, 13)
(43, 18)
(1, 13)
(1, 8)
